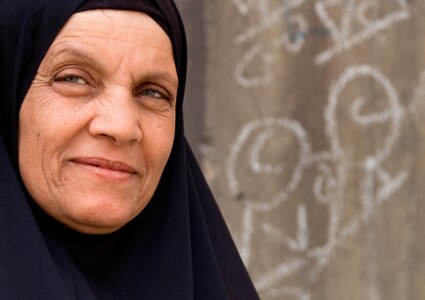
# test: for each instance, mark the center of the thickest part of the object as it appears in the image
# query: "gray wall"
(308, 118)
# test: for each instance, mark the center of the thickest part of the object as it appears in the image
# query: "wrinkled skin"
(97, 124)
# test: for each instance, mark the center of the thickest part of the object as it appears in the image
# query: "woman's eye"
(72, 79)
(73, 84)
(152, 93)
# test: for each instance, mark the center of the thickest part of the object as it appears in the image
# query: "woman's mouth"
(105, 168)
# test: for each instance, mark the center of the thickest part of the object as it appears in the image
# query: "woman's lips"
(104, 168)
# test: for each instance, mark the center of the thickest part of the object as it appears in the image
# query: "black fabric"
(177, 248)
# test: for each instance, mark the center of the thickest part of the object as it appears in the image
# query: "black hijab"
(177, 248)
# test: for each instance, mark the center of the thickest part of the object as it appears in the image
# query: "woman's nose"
(117, 118)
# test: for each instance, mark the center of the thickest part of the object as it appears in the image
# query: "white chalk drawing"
(343, 34)
(262, 79)
(354, 26)
(292, 40)
(243, 5)
(376, 186)
(269, 17)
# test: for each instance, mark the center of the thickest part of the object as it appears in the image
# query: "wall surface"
(308, 118)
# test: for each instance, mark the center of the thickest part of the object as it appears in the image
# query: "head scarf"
(177, 248)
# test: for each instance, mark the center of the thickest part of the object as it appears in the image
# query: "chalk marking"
(324, 183)
(284, 269)
(247, 232)
(376, 187)
(268, 21)
(342, 35)
(288, 126)
(257, 51)
(300, 243)
(254, 157)
(395, 111)
(243, 5)
(293, 40)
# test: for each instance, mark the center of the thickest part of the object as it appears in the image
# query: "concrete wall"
(309, 120)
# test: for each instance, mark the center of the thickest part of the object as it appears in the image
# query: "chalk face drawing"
(375, 188)
(355, 24)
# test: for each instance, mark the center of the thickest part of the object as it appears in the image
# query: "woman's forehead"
(108, 40)
(110, 23)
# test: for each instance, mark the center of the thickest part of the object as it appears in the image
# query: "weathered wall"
(309, 120)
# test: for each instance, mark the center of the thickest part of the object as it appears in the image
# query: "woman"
(100, 196)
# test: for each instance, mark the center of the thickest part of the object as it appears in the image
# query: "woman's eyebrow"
(72, 51)
(87, 57)
(165, 77)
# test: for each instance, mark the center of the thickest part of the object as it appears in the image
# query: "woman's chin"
(96, 220)
(88, 226)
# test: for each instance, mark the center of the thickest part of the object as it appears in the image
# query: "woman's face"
(97, 124)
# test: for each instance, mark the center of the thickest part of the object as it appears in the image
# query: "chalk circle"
(252, 138)
(391, 115)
